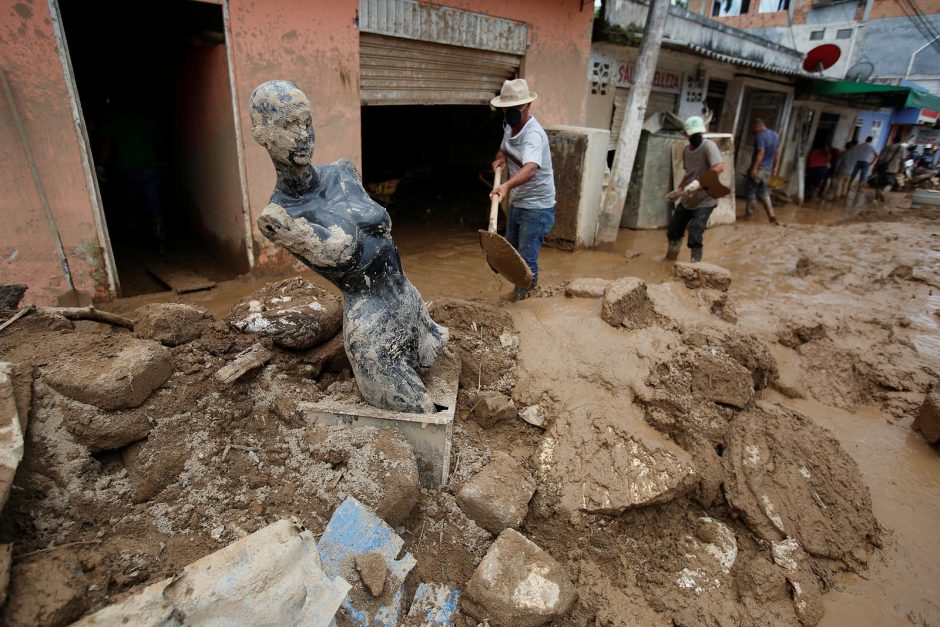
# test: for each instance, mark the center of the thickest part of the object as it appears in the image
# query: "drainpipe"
(910, 65)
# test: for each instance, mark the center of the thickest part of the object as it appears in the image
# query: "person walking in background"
(865, 157)
(531, 182)
(695, 205)
(817, 170)
(889, 164)
(763, 166)
(842, 171)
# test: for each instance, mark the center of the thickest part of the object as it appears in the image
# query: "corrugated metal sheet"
(444, 25)
(659, 102)
(396, 71)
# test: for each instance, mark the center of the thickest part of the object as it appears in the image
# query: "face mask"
(696, 140)
(513, 117)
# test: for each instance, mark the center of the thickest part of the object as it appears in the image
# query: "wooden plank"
(253, 357)
(180, 280)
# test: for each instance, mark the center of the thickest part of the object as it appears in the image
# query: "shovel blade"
(505, 260)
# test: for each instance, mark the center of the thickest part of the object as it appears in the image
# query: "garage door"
(659, 102)
(398, 71)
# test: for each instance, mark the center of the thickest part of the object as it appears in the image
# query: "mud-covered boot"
(748, 210)
(769, 208)
(696, 255)
(672, 253)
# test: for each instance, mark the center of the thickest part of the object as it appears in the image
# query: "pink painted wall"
(315, 45)
(207, 154)
(556, 63)
(28, 55)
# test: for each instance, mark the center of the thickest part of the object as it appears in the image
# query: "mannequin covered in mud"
(324, 217)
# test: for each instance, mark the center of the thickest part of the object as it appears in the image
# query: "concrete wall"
(579, 158)
(29, 56)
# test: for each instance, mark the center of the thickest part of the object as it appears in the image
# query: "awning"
(880, 95)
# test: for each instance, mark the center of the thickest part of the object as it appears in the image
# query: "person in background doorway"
(763, 166)
(531, 182)
(817, 171)
(842, 170)
(889, 164)
(695, 205)
(865, 157)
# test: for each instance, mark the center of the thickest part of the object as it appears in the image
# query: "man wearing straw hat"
(531, 182)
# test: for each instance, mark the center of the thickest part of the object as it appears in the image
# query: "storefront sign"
(662, 80)
(926, 116)
(927, 136)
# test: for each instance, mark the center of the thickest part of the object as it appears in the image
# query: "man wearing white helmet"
(693, 204)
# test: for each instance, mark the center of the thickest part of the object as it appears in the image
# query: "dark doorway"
(153, 82)
(825, 130)
(430, 165)
(715, 101)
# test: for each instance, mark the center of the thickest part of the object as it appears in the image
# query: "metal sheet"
(408, 19)
(659, 102)
(396, 71)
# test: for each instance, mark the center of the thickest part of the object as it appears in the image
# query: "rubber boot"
(696, 255)
(672, 253)
(769, 208)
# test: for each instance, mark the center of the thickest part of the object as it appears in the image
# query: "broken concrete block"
(721, 379)
(434, 605)
(11, 431)
(377, 466)
(354, 530)
(586, 287)
(49, 590)
(112, 372)
(626, 304)
(95, 428)
(519, 584)
(158, 461)
(372, 571)
(702, 275)
(171, 324)
(295, 313)
(928, 417)
(498, 496)
(490, 408)
(610, 468)
(271, 577)
(11, 295)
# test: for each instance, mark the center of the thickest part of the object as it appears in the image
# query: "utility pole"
(637, 100)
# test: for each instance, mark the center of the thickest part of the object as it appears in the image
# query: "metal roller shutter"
(397, 71)
(660, 102)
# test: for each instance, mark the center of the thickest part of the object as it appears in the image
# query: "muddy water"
(903, 583)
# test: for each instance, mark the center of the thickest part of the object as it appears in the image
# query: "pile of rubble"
(612, 461)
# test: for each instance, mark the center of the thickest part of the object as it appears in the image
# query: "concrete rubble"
(498, 496)
(294, 313)
(171, 324)
(154, 463)
(518, 584)
(12, 426)
(626, 304)
(719, 378)
(271, 577)
(928, 416)
(115, 373)
(702, 275)
(586, 287)
(490, 408)
(49, 590)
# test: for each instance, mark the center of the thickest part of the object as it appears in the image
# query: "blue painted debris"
(434, 606)
(354, 530)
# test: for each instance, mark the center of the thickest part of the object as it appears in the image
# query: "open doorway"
(157, 103)
(429, 165)
(825, 130)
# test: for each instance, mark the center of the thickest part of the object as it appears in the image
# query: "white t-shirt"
(866, 152)
(530, 145)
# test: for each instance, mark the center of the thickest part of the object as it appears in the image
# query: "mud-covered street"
(781, 480)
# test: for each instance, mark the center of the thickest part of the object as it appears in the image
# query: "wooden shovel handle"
(494, 202)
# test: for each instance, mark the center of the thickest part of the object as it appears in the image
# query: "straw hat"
(513, 94)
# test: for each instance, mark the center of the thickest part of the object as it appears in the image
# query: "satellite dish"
(821, 58)
(859, 72)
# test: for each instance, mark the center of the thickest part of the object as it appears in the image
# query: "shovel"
(502, 257)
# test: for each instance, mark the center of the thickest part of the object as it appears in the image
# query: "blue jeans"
(861, 168)
(755, 187)
(526, 231)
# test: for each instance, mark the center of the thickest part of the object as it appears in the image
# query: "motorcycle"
(918, 177)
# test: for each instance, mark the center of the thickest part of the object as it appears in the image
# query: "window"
(726, 8)
(772, 6)
(844, 33)
(816, 35)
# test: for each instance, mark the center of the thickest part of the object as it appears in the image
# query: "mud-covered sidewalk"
(689, 444)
